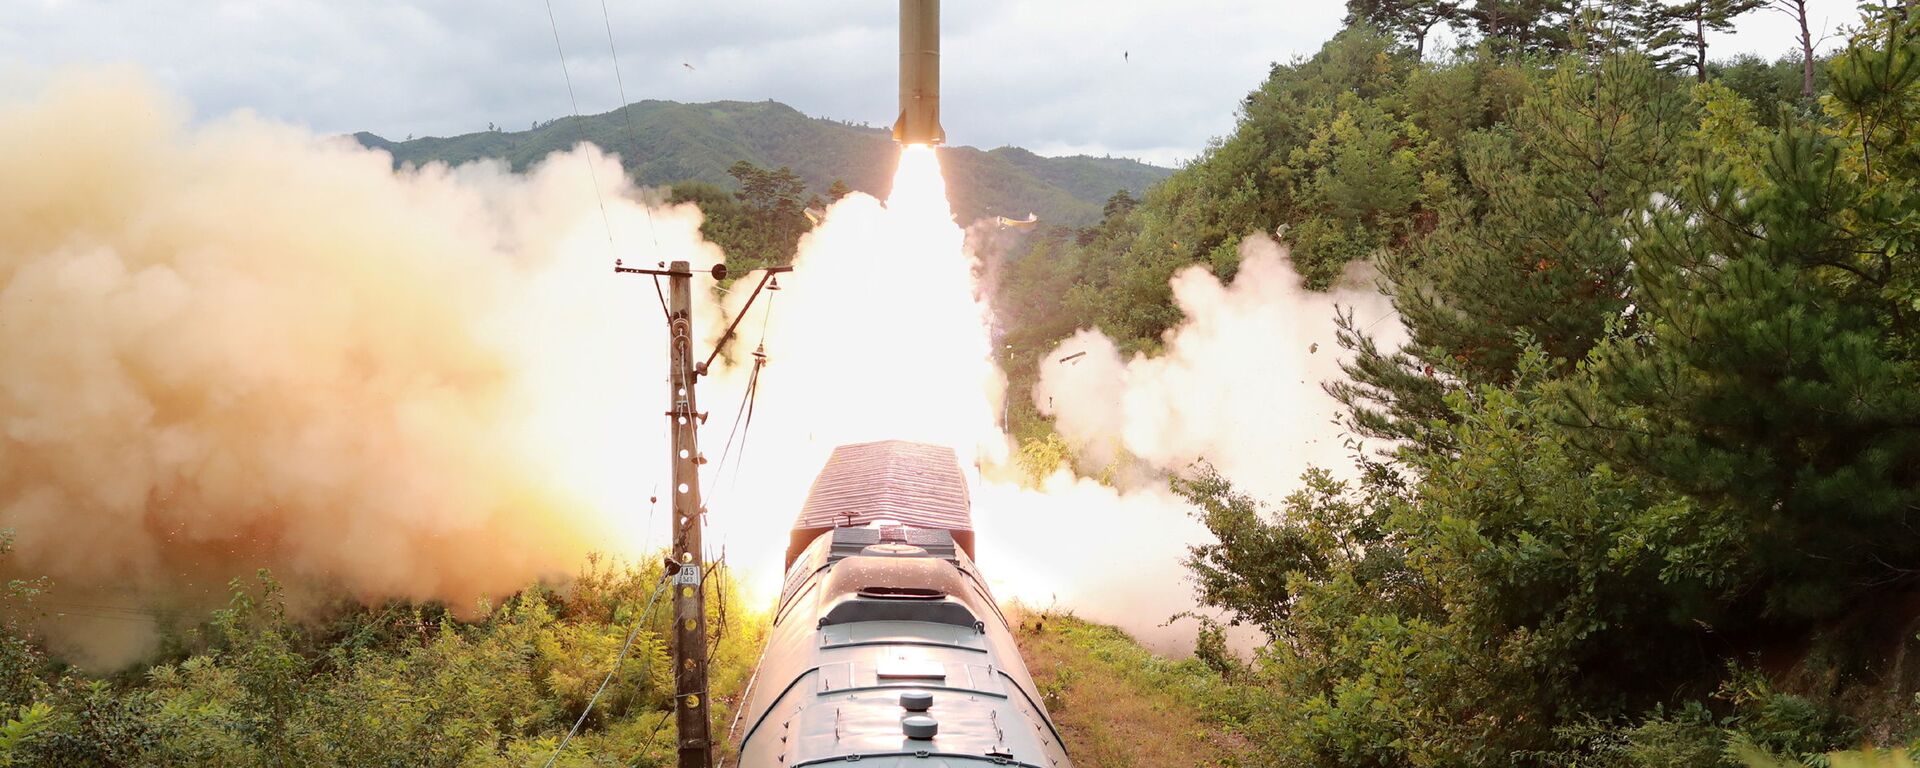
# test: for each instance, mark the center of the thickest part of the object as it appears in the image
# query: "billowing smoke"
(238, 345)
(881, 333)
(1238, 384)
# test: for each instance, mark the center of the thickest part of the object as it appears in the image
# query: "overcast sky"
(1152, 80)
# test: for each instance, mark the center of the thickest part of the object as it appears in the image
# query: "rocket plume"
(239, 346)
(878, 333)
(883, 332)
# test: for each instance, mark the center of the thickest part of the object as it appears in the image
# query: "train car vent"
(902, 593)
(920, 727)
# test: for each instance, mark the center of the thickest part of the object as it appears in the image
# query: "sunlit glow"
(228, 345)
(879, 333)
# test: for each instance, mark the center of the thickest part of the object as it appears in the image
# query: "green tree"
(1674, 35)
(1523, 27)
(774, 210)
(1510, 590)
(1534, 253)
(1772, 365)
(1410, 20)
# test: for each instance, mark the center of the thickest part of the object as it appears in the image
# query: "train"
(886, 644)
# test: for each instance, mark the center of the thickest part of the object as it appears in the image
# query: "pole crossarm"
(765, 276)
(719, 272)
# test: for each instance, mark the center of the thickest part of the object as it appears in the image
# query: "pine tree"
(1675, 35)
(1409, 20)
(1522, 27)
(1773, 372)
(1535, 254)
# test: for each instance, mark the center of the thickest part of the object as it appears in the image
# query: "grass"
(1119, 705)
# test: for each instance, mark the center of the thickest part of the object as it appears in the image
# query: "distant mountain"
(669, 142)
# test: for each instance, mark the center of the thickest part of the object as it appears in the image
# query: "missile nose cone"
(919, 121)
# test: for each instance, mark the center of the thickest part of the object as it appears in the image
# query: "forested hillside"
(1642, 488)
(669, 143)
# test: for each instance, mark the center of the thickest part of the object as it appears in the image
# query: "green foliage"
(757, 226)
(394, 685)
(1462, 619)
(1535, 250)
(1657, 430)
(1771, 369)
(1772, 87)
(19, 731)
(1675, 35)
(1755, 757)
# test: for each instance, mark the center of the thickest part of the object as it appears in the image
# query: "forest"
(1640, 488)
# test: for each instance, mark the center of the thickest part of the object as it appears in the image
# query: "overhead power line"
(575, 103)
(645, 615)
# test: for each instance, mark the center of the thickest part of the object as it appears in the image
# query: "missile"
(919, 121)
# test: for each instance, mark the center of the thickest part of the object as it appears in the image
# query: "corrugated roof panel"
(913, 484)
(916, 484)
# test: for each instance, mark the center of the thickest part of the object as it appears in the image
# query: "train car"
(886, 645)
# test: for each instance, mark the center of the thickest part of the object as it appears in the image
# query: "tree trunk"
(1798, 10)
(1806, 55)
(1700, 39)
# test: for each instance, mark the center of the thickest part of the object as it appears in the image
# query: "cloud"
(1047, 75)
(1028, 74)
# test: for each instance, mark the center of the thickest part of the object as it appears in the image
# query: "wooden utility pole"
(687, 566)
(689, 588)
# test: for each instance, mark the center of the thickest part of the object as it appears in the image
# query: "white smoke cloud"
(1238, 384)
(240, 345)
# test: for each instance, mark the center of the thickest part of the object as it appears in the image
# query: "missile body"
(919, 121)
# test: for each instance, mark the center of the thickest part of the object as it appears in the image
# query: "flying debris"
(815, 215)
(1026, 223)
(1072, 357)
(687, 65)
(919, 121)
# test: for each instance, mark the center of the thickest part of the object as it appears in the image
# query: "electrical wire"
(743, 416)
(759, 362)
(626, 117)
(624, 648)
(575, 102)
(746, 398)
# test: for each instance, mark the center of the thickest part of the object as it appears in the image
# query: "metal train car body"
(886, 646)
